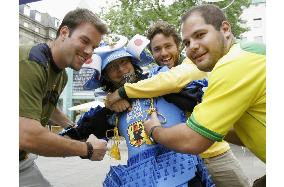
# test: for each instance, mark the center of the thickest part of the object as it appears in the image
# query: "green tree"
(130, 17)
(233, 14)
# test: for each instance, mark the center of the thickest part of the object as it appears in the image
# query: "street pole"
(214, 1)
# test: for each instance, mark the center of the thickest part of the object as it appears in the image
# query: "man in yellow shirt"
(235, 101)
(164, 46)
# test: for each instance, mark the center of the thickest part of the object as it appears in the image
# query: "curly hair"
(163, 27)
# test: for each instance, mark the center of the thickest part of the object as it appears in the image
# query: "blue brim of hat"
(114, 55)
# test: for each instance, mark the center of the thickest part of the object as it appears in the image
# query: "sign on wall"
(80, 77)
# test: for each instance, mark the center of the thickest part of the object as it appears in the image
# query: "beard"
(214, 54)
(74, 67)
(127, 78)
(74, 64)
(72, 59)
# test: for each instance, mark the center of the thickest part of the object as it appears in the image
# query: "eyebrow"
(195, 33)
(156, 47)
(85, 37)
(198, 31)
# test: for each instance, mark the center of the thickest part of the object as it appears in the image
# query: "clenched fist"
(99, 147)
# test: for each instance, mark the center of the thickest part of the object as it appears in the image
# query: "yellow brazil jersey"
(216, 149)
(236, 98)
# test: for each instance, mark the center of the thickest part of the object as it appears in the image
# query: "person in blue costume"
(148, 164)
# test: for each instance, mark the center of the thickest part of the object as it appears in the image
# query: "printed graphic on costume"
(137, 135)
(136, 111)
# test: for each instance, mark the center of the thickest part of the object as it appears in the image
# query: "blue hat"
(109, 51)
(108, 57)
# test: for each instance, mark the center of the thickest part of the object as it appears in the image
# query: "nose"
(192, 48)
(121, 68)
(164, 52)
(194, 45)
(88, 50)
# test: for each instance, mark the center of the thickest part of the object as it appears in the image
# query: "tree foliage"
(130, 17)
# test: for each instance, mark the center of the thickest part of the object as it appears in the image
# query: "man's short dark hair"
(81, 15)
(163, 27)
(211, 14)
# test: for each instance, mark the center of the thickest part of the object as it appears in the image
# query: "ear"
(226, 29)
(64, 32)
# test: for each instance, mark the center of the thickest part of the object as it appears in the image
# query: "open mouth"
(166, 61)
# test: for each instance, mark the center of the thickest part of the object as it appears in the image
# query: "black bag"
(94, 122)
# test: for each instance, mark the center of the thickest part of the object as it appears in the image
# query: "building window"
(26, 24)
(36, 29)
(258, 39)
(57, 22)
(257, 22)
(27, 11)
(38, 16)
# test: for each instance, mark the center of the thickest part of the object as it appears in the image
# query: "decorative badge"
(137, 135)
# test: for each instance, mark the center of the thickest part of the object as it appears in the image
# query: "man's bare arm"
(180, 137)
(233, 138)
(59, 118)
(36, 139)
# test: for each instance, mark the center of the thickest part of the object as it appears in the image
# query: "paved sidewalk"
(75, 172)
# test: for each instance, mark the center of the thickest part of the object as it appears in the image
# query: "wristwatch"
(151, 133)
(90, 151)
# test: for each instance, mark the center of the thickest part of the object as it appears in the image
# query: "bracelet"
(90, 151)
(122, 93)
(151, 133)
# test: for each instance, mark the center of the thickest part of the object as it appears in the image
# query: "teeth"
(165, 60)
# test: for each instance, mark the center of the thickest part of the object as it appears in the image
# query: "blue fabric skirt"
(159, 167)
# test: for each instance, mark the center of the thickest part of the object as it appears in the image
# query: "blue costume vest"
(152, 164)
(131, 123)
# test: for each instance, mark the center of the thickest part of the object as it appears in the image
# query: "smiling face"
(204, 44)
(118, 69)
(78, 46)
(165, 50)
